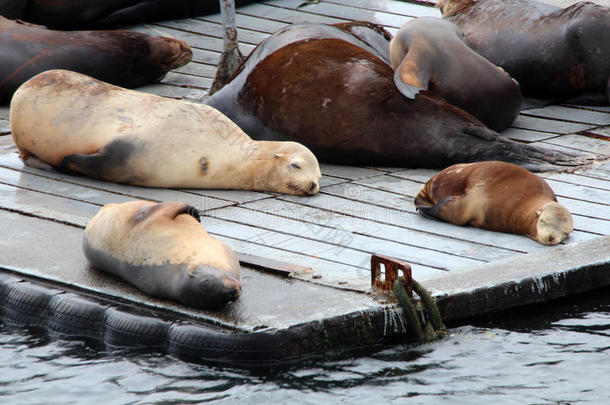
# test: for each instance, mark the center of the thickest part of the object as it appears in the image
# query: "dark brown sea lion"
(72, 14)
(429, 53)
(163, 251)
(498, 196)
(552, 52)
(322, 86)
(124, 58)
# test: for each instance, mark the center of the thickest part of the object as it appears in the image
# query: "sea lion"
(429, 53)
(162, 250)
(322, 86)
(72, 14)
(553, 53)
(70, 121)
(124, 58)
(498, 196)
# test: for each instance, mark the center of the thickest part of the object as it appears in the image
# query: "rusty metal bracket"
(392, 266)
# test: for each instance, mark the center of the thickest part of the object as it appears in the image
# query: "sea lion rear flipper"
(410, 78)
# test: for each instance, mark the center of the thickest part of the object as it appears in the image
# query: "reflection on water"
(552, 355)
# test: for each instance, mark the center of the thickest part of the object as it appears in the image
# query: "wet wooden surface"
(359, 210)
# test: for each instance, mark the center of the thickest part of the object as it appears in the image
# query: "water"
(557, 354)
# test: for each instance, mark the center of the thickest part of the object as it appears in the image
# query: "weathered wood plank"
(348, 172)
(168, 90)
(186, 80)
(547, 125)
(5, 126)
(563, 113)
(583, 143)
(338, 239)
(244, 21)
(526, 135)
(379, 230)
(214, 29)
(393, 7)
(376, 208)
(583, 179)
(43, 205)
(57, 180)
(283, 11)
(350, 13)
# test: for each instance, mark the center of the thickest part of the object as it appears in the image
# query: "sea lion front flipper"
(411, 77)
(434, 210)
(109, 162)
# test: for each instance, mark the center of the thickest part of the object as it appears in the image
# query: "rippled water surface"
(558, 354)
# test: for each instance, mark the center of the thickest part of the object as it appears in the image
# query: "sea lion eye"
(295, 166)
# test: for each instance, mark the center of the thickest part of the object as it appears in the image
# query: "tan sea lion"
(125, 58)
(162, 250)
(429, 53)
(71, 121)
(553, 53)
(498, 196)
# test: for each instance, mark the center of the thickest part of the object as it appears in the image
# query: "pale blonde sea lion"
(163, 250)
(71, 121)
(498, 196)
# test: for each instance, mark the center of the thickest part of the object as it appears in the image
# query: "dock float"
(306, 261)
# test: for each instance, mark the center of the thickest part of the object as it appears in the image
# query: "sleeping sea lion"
(429, 53)
(124, 58)
(163, 251)
(324, 87)
(72, 14)
(71, 121)
(498, 196)
(552, 52)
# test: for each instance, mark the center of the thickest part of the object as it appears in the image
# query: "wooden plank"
(391, 232)
(214, 29)
(392, 184)
(391, 6)
(244, 21)
(79, 183)
(581, 178)
(5, 127)
(43, 205)
(290, 234)
(377, 209)
(167, 90)
(526, 135)
(282, 11)
(348, 172)
(417, 175)
(547, 125)
(582, 143)
(348, 13)
(563, 113)
(185, 80)
(198, 69)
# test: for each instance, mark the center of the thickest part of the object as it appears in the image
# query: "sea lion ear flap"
(410, 78)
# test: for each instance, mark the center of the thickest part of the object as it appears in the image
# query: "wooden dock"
(321, 245)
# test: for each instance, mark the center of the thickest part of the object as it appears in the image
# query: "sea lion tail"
(537, 159)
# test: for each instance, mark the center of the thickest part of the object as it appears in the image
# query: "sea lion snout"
(210, 288)
(554, 224)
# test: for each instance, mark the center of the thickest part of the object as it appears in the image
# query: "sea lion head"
(554, 224)
(294, 170)
(208, 288)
